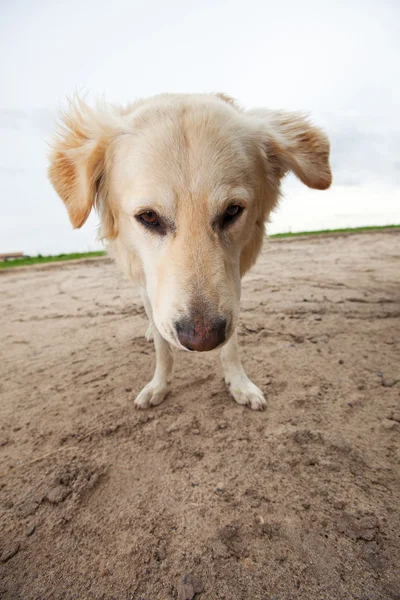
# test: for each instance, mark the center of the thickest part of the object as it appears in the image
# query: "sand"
(201, 496)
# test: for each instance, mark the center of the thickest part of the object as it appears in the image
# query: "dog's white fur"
(185, 158)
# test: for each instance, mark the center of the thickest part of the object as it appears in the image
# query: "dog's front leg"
(242, 389)
(157, 389)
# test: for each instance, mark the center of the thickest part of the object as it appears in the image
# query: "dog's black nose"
(199, 334)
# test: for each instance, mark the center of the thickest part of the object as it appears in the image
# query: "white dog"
(183, 185)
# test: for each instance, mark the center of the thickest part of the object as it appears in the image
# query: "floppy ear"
(292, 143)
(77, 160)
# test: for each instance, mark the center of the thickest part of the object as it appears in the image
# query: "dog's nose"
(201, 335)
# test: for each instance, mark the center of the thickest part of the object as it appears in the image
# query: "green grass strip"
(34, 260)
(330, 231)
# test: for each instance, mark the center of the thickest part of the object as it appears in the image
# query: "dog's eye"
(231, 214)
(149, 218)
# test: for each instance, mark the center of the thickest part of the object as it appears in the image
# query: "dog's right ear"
(77, 160)
(291, 143)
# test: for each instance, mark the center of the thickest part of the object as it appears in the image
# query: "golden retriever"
(184, 185)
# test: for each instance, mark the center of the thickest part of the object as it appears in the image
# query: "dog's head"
(184, 184)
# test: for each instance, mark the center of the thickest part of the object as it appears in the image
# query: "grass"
(328, 231)
(34, 260)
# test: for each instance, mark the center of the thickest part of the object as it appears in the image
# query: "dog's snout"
(201, 335)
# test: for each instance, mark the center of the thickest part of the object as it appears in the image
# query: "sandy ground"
(201, 495)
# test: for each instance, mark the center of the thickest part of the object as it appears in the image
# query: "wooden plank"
(10, 255)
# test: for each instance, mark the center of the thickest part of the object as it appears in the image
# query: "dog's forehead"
(183, 151)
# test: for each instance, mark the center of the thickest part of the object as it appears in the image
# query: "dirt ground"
(200, 495)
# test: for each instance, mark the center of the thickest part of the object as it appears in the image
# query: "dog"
(184, 185)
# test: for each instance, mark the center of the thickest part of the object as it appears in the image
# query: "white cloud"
(337, 60)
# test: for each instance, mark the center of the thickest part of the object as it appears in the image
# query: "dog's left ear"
(77, 160)
(291, 143)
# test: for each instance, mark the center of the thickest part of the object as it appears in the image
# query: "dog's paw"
(246, 393)
(151, 395)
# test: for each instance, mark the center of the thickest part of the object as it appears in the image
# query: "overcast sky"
(338, 60)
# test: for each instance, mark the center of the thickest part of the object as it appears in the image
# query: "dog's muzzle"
(200, 334)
